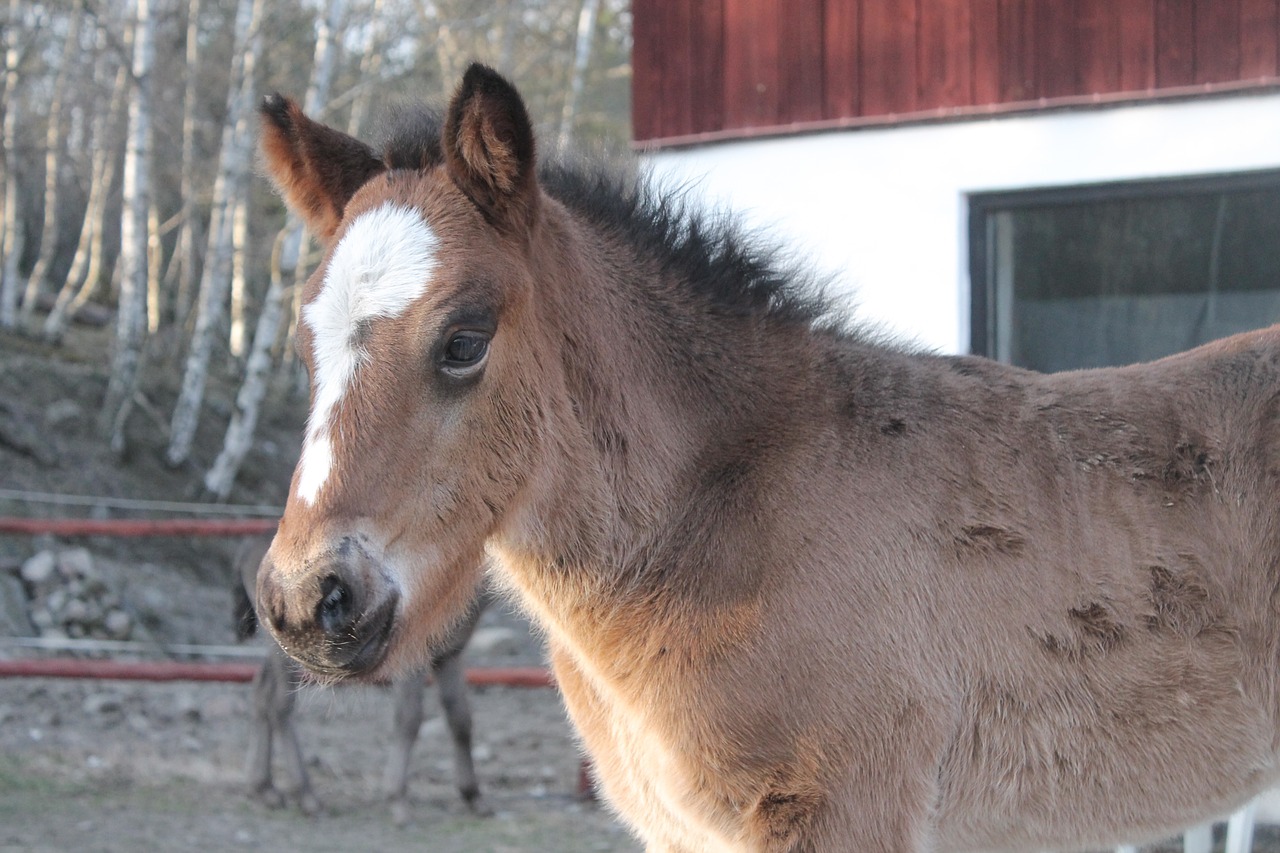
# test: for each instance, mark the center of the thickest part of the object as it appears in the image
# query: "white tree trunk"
(370, 67)
(81, 277)
(186, 258)
(155, 258)
(131, 321)
(244, 420)
(581, 58)
(285, 262)
(233, 167)
(54, 134)
(236, 340)
(11, 239)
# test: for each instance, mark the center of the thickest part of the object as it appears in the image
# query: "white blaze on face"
(379, 268)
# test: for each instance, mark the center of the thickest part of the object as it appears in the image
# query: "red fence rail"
(514, 676)
(139, 527)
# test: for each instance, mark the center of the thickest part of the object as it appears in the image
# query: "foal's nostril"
(269, 600)
(334, 611)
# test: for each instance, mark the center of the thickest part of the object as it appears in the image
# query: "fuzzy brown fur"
(803, 591)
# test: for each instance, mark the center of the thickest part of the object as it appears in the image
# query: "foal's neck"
(669, 405)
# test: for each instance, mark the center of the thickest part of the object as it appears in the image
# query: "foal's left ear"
(488, 148)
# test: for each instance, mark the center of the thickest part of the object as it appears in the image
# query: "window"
(1113, 274)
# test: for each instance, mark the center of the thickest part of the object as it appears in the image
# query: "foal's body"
(1064, 629)
(803, 591)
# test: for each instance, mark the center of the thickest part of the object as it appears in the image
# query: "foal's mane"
(737, 272)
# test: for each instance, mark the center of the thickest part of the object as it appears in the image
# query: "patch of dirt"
(123, 766)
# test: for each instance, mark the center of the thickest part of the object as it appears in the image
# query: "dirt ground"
(130, 766)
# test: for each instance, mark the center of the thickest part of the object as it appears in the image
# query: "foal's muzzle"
(337, 620)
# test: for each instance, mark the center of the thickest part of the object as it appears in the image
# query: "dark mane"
(740, 273)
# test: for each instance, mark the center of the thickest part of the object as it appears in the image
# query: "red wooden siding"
(715, 68)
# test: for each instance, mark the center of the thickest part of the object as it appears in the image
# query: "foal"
(803, 590)
(278, 681)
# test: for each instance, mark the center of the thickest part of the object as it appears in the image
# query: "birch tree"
(11, 239)
(285, 263)
(55, 132)
(233, 167)
(581, 58)
(82, 276)
(221, 476)
(131, 319)
(370, 55)
(237, 335)
(186, 259)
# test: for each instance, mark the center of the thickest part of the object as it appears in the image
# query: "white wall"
(887, 210)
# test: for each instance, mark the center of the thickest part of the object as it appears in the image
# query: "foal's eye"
(465, 351)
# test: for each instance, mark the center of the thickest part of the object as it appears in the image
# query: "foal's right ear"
(316, 168)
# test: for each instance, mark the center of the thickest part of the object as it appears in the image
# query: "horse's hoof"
(270, 797)
(400, 813)
(478, 805)
(308, 804)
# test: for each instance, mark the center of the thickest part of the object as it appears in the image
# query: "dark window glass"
(1094, 276)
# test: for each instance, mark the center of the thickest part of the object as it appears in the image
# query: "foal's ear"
(488, 147)
(316, 168)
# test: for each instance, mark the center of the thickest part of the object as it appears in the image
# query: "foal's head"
(418, 334)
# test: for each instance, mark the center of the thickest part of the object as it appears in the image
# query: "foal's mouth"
(361, 653)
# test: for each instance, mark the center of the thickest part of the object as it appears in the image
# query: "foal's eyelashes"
(463, 347)
(465, 352)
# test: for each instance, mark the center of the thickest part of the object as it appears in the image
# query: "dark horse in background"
(278, 680)
(803, 590)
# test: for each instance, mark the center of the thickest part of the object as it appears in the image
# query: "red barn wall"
(705, 69)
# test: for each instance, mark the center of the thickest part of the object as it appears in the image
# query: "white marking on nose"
(379, 268)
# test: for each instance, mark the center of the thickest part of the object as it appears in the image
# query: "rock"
(18, 433)
(14, 621)
(56, 602)
(155, 600)
(187, 706)
(496, 641)
(96, 704)
(76, 563)
(62, 410)
(77, 610)
(118, 624)
(39, 569)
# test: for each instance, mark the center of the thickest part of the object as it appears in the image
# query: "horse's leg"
(280, 701)
(259, 763)
(406, 694)
(617, 780)
(886, 803)
(452, 683)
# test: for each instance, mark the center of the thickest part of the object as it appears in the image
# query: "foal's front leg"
(274, 691)
(451, 681)
(406, 694)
